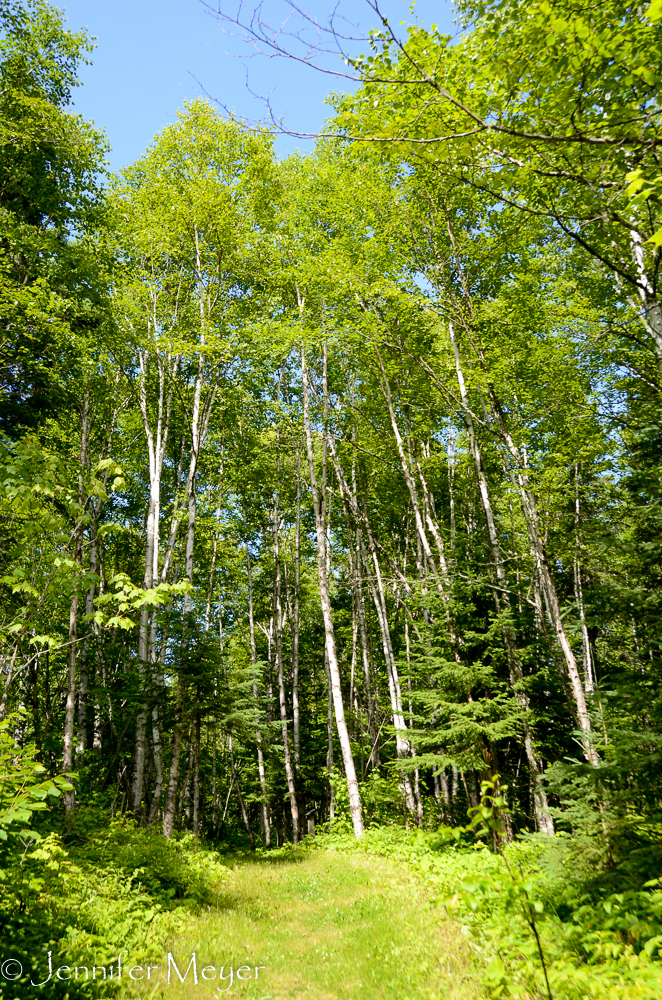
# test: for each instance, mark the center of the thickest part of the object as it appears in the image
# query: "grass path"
(326, 926)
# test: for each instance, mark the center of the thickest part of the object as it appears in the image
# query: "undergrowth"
(115, 889)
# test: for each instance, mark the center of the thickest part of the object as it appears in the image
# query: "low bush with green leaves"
(83, 915)
(119, 888)
(178, 871)
(605, 949)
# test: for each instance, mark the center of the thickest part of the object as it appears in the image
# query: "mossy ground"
(323, 925)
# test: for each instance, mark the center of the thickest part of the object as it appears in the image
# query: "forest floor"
(323, 925)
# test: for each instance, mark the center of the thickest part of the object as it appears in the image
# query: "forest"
(331, 513)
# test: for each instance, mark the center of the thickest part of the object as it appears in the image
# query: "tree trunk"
(651, 310)
(544, 821)
(156, 445)
(214, 783)
(81, 743)
(184, 806)
(157, 756)
(242, 804)
(295, 619)
(403, 748)
(330, 643)
(542, 567)
(173, 776)
(266, 820)
(68, 742)
(278, 626)
(579, 595)
(329, 738)
(356, 563)
(440, 575)
(196, 765)
(417, 785)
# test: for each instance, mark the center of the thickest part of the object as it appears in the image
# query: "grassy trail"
(326, 926)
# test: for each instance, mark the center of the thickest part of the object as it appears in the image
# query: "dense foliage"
(330, 487)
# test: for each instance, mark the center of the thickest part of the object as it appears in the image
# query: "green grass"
(323, 925)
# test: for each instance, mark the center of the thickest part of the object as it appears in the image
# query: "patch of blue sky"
(152, 55)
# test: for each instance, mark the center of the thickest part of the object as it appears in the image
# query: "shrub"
(119, 889)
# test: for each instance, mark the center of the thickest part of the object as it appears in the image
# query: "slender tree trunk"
(329, 738)
(548, 587)
(289, 770)
(184, 806)
(84, 660)
(196, 765)
(187, 791)
(651, 310)
(417, 786)
(403, 748)
(440, 574)
(177, 733)
(188, 569)
(68, 747)
(296, 734)
(266, 819)
(371, 699)
(212, 571)
(242, 804)
(451, 481)
(353, 700)
(214, 781)
(278, 626)
(68, 742)
(356, 563)
(579, 595)
(157, 756)
(173, 775)
(156, 445)
(543, 819)
(334, 668)
(210, 592)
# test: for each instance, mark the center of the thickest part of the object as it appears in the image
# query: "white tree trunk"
(330, 643)
(278, 627)
(156, 440)
(266, 820)
(543, 819)
(542, 568)
(68, 741)
(403, 747)
(296, 722)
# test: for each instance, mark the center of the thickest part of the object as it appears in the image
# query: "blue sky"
(152, 55)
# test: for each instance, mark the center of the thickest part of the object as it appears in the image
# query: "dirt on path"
(325, 925)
